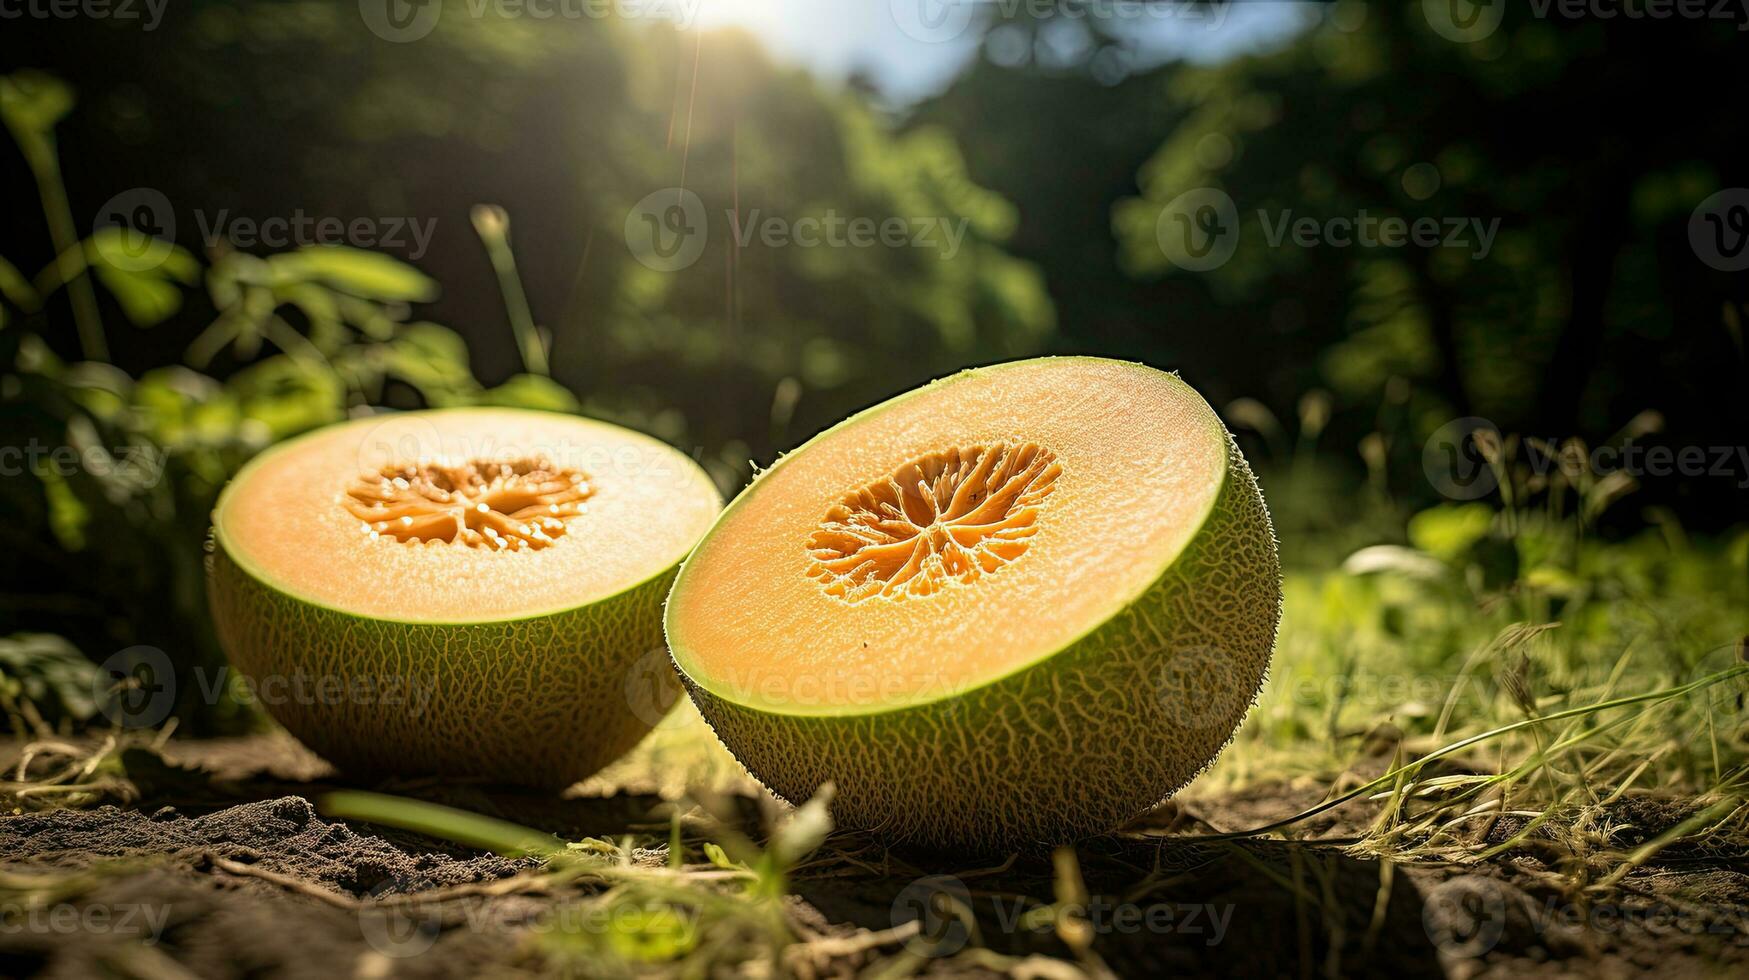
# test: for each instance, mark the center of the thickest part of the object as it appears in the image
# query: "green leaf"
(433, 359)
(435, 343)
(148, 295)
(804, 831)
(370, 275)
(102, 390)
(319, 307)
(68, 515)
(531, 391)
(145, 299)
(288, 397)
(122, 248)
(32, 102)
(179, 407)
(651, 932)
(715, 854)
(1449, 531)
(16, 288)
(50, 673)
(1554, 581)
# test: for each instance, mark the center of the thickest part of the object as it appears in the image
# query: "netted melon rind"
(538, 702)
(1072, 746)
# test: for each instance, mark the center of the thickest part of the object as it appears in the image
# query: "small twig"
(834, 947)
(317, 892)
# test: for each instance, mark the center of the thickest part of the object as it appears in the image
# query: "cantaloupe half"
(467, 592)
(1023, 603)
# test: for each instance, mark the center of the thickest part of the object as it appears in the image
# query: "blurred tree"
(1589, 306)
(240, 113)
(257, 110)
(760, 328)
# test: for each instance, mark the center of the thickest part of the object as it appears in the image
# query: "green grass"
(1498, 683)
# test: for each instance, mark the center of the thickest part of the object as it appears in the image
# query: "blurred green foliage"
(110, 478)
(276, 344)
(1589, 308)
(261, 110)
(1589, 319)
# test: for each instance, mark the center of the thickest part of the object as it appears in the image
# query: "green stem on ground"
(435, 820)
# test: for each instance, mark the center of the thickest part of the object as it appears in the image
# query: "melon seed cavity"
(500, 505)
(951, 517)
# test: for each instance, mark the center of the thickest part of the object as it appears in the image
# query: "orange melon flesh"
(1140, 462)
(466, 593)
(286, 520)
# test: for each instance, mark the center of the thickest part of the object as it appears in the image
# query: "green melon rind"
(1073, 744)
(542, 701)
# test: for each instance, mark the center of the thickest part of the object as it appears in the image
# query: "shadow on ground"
(220, 865)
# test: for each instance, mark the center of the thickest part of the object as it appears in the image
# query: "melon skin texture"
(1073, 745)
(534, 657)
(488, 701)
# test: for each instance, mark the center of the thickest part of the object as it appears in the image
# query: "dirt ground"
(223, 867)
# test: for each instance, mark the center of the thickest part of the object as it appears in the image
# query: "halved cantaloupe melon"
(457, 592)
(1023, 603)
